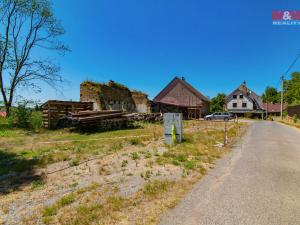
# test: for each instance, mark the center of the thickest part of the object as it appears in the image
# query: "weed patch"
(135, 156)
(37, 184)
(156, 187)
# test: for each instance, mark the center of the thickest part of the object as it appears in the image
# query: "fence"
(293, 110)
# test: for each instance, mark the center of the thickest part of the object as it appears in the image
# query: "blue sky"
(215, 45)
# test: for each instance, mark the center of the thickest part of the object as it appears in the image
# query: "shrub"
(36, 120)
(295, 118)
(20, 116)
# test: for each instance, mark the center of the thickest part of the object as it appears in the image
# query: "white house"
(243, 100)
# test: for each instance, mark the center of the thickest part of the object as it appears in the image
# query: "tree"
(217, 103)
(292, 89)
(27, 26)
(271, 95)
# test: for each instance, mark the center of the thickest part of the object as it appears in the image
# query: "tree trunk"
(7, 109)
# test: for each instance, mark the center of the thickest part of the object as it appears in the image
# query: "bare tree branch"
(29, 24)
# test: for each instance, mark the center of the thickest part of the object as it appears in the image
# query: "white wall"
(240, 103)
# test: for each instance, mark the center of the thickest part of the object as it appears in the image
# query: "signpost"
(225, 134)
(172, 127)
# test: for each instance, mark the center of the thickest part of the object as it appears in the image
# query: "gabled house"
(243, 100)
(181, 97)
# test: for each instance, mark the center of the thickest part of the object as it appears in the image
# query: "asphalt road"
(258, 183)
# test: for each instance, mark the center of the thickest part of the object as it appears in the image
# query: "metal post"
(225, 134)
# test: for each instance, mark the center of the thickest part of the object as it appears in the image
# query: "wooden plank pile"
(54, 110)
(104, 120)
(62, 114)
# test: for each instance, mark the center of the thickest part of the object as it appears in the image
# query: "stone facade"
(142, 104)
(113, 96)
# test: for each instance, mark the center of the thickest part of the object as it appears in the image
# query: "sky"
(215, 45)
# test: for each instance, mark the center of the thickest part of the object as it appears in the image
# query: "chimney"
(183, 78)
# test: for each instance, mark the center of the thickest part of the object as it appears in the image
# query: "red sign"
(286, 15)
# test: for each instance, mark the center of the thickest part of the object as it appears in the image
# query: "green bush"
(36, 120)
(20, 116)
(295, 118)
(24, 117)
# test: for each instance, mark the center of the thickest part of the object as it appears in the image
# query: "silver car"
(219, 116)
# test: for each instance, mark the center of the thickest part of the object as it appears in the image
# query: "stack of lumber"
(54, 111)
(104, 120)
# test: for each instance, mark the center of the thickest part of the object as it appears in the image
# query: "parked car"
(219, 116)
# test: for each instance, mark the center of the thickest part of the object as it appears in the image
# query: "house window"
(234, 96)
(234, 105)
(244, 105)
(241, 96)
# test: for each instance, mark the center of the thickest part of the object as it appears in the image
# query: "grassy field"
(116, 177)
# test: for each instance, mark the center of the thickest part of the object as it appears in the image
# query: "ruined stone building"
(113, 96)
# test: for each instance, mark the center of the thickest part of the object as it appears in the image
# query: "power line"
(282, 84)
(293, 63)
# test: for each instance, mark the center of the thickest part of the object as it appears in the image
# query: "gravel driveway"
(258, 183)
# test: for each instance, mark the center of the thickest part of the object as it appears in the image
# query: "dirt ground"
(133, 181)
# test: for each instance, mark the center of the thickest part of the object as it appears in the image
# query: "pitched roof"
(248, 93)
(273, 107)
(172, 84)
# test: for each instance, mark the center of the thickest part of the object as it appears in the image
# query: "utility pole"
(281, 105)
(267, 111)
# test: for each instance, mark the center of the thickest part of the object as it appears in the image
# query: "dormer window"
(234, 96)
(241, 96)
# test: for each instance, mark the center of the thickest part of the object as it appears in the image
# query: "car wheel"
(226, 119)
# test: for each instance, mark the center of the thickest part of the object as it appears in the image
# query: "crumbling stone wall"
(141, 101)
(113, 96)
